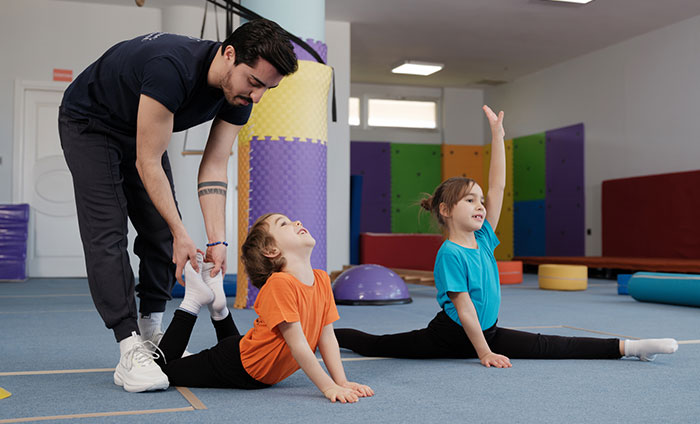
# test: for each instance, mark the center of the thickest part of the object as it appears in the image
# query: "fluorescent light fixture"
(574, 1)
(413, 67)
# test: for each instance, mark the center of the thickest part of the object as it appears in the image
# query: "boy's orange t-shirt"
(264, 353)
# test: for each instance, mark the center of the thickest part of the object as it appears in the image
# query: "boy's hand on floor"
(341, 394)
(360, 389)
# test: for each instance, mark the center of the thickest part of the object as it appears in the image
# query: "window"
(402, 113)
(354, 111)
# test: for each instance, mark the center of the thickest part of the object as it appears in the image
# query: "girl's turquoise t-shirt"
(460, 269)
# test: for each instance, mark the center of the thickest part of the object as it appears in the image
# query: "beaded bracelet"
(217, 242)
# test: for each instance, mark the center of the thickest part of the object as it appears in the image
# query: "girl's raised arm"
(497, 169)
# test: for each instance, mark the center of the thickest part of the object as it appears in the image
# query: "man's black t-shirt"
(169, 68)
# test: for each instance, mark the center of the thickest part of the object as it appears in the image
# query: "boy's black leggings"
(444, 338)
(219, 366)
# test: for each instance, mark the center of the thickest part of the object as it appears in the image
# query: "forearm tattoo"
(211, 187)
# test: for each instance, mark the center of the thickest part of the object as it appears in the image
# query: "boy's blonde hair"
(259, 241)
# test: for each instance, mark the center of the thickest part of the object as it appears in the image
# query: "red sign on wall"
(62, 75)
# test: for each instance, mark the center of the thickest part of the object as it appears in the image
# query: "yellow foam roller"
(563, 277)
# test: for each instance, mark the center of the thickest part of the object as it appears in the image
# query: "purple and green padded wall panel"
(415, 170)
(372, 160)
(565, 197)
(529, 228)
(529, 167)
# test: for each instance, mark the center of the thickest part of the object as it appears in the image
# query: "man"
(115, 123)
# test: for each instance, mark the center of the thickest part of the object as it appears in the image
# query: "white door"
(44, 182)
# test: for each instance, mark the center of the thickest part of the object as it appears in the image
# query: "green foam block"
(415, 170)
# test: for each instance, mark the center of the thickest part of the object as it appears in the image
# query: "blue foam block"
(676, 289)
(229, 287)
(623, 283)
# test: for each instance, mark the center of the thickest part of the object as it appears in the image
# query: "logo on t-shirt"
(154, 35)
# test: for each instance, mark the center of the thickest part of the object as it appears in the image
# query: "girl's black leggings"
(444, 338)
(219, 366)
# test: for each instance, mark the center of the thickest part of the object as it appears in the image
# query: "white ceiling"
(498, 40)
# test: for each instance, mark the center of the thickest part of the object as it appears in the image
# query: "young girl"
(296, 310)
(466, 278)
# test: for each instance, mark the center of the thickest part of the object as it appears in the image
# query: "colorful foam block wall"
(543, 205)
(548, 193)
(629, 213)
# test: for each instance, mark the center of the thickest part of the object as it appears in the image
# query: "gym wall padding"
(372, 160)
(415, 170)
(282, 161)
(529, 168)
(633, 212)
(529, 228)
(463, 161)
(565, 198)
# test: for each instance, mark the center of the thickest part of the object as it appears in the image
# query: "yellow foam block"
(298, 107)
(563, 277)
(4, 393)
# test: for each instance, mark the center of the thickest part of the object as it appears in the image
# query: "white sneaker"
(136, 370)
(155, 342)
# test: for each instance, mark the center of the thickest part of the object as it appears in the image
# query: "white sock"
(647, 349)
(197, 293)
(218, 307)
(126, 344)
(150, 324)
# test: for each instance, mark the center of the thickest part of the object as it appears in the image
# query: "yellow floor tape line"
(4, 393)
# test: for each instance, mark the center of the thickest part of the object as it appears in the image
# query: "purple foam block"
(565, 197)
(370, 285)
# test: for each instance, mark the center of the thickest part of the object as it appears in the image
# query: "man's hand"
(184, 250)
(217, 255)
(496, 360)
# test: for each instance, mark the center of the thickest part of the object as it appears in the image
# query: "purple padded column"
(565, 197)
(372, 160)
(289, 177)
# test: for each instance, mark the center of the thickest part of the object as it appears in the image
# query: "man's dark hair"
(263, 38)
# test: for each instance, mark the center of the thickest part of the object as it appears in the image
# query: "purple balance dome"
(370, 285)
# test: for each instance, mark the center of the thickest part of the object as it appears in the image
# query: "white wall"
(638, 100)
(39, 35)
(338, 181)
(459, 110)
(462, 118)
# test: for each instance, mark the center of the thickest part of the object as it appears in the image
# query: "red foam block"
(409, 251)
